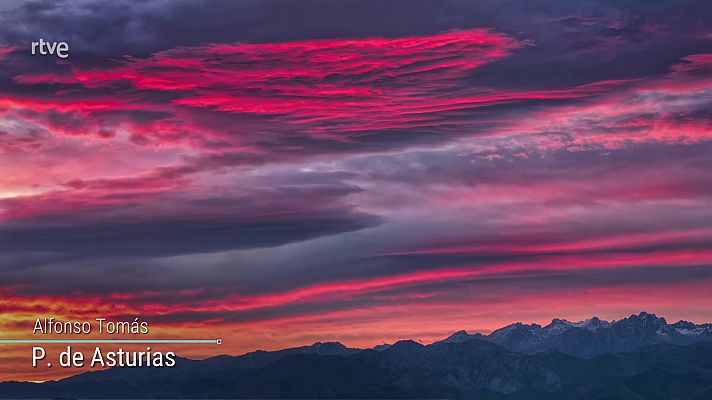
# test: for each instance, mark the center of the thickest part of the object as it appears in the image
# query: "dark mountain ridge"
(461, 366)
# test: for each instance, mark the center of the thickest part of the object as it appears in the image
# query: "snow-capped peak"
(557, 326)
(689, 329)
(592, 324)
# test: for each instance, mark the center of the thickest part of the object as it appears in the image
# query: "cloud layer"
(278, 174)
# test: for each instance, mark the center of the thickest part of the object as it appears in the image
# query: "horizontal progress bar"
(108, 341)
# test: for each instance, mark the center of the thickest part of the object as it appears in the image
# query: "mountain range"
(639, 357)
(593, 336)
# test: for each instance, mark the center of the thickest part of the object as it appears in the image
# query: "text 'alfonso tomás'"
(109, 333)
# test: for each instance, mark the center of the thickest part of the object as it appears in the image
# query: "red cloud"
(310, 86)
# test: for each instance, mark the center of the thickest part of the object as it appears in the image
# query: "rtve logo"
(59, 49)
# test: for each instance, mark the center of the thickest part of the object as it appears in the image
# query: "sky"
(277, 173)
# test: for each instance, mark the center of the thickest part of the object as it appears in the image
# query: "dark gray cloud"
(272, 217)
(180, 236)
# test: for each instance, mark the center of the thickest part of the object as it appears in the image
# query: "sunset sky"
(277, 173)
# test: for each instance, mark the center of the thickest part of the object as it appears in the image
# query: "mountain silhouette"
(639, 357)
